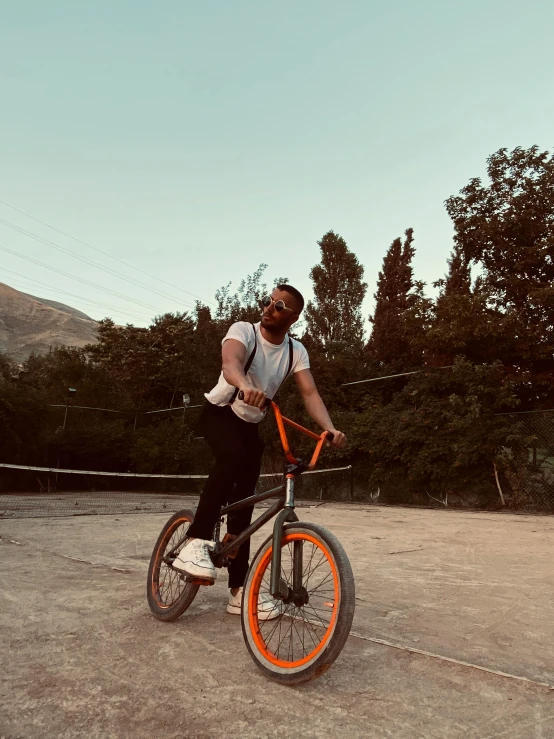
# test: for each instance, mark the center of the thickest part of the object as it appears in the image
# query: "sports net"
(527, 482)
(31, 492)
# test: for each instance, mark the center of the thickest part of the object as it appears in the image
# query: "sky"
(182, 144)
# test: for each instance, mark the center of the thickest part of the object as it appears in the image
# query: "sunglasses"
(267, 300)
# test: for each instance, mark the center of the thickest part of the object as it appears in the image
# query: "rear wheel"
(315, 619)
(169, 594)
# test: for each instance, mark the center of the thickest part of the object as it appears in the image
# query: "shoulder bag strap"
(247, 365)
(291, 355)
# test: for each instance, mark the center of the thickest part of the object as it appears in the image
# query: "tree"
(205, 352)
(151, 365)
(244, 304)
(458, 279)
(334, 317)
(401, 312)
(463, 323)
(175, 369)
(506, 227)
(22, 417)
(95, 442)
(440, 436)
(52, 374)
(124, 352)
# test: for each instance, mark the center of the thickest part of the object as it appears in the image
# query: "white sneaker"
(194, 559)
(267, 607)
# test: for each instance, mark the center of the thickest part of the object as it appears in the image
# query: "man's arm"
(233, 356)
(316, 407)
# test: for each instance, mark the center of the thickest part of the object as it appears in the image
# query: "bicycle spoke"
(291, 552)
(279, 620)
(162, 582)
(280, 626)
(309, 563)
(289, 634)
(301, 639)
(300, 631)
(305, 621)
(323, 582)
(283, 574)
(318, 593)
(166, 589)
(172, 588)
(283, 639)
(291, 648)
(170, 585)
(309, 621)
(321, 562)
(312, 567)
(324, 611)
(321, 622)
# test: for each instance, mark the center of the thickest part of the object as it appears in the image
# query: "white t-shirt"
(266, 372)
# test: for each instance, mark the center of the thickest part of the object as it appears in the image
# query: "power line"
(106, 310)
(73, 295)
(388, 377)
(62, 249)
(90, 408)
(74, 277)
(168, 410)
(101, 251)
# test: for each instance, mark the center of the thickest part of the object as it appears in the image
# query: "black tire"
(319, 629)
(169, 594)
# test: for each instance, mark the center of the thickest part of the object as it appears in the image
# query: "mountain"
(32, 325)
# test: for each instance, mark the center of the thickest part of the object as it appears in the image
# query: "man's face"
(277, 321)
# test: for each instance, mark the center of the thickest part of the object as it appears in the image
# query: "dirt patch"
(82, 656)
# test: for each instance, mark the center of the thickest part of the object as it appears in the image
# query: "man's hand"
(339, 439)
(253, 397)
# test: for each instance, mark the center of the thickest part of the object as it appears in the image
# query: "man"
(256, 359)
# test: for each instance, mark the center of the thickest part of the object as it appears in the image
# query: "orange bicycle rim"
(253, 604)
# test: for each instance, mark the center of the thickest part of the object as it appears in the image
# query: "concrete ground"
(81, 656)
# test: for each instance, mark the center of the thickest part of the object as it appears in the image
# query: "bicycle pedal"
(200, 581)
(227, 539)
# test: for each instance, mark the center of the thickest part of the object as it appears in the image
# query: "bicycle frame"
(283, 508)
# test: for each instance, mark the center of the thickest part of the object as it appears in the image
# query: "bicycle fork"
(279, 588)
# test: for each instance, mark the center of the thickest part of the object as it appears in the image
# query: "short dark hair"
(292, 291)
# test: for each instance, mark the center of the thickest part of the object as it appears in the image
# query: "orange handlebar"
(281, 421)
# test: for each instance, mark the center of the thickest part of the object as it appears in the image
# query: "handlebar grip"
(267, 403)
(330, 436)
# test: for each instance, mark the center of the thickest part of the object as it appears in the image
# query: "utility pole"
(70, 394)
(71, 391)
(186, 403)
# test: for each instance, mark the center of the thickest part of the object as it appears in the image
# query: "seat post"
(289, 497)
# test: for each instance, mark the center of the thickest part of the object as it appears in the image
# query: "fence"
(43, 492)
(528, 483)
(518, 481)
(523, 482)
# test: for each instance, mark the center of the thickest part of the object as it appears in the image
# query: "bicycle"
(313, 626)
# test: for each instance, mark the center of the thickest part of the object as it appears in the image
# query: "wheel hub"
(299, 597)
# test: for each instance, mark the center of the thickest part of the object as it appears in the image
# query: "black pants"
(238, 449)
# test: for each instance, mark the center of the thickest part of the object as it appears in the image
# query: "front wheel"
(313, 626)
(169, 594)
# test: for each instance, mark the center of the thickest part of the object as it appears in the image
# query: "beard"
(271, 325)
